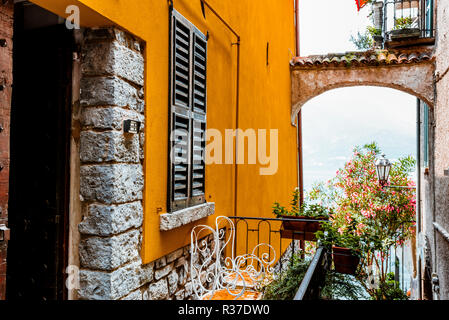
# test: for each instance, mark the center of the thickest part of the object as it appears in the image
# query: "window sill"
(176, 219)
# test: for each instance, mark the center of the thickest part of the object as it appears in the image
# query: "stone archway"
(411, 72)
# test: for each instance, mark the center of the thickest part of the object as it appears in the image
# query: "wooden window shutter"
(187, 114)
(198, 168)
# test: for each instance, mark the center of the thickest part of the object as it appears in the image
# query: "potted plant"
(346, 247)
(376, 34)
(403, 29)
(308, 219)
(346, 257)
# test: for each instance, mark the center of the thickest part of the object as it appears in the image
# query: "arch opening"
(338, 120)
(415, 79)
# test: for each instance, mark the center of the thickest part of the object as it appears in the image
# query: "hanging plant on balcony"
(347, 246)
(368, 219)
(308, 219)
(403, 28)
(376, 34)
(403, 23)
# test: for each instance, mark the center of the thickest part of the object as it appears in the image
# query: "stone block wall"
(111, 171)
(112, 178)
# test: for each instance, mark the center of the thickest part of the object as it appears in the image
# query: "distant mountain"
(338, 120)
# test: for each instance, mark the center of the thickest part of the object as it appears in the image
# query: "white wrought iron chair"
(216, 277)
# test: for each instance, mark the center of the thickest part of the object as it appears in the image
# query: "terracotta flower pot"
(301, 230)
(378, 41)
(344, 260)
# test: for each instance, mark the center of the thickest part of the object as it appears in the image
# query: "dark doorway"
(40, 136)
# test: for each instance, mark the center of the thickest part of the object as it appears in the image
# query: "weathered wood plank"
(6, 77)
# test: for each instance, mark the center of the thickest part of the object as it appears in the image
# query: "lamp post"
(383, 166)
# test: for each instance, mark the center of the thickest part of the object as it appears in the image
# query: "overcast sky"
(336, 121)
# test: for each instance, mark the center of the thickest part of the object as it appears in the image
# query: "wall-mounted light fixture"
(131, 126)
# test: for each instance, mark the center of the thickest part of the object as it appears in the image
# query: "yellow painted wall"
(264, 98)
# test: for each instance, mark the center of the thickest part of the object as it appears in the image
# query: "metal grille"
(414, 15)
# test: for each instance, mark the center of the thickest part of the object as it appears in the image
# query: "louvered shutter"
(198, 168)
(187, 114)
(179, 177)
(181, 64)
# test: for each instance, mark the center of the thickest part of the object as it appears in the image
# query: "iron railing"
(314, 279)
(251, 231)
(407, 19)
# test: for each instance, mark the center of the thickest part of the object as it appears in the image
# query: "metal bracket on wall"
(4, 233)
(436, 284)
(203, 10)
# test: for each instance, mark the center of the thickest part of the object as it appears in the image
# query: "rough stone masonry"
(112, 178)
(111, 172)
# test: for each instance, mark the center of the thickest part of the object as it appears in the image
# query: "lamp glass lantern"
(383, 166)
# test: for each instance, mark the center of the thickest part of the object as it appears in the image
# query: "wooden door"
(6, 32)
(39, 184)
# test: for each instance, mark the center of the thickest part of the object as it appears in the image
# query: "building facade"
(435, 239)
(104, 106)
(104, 93)
(416, 64)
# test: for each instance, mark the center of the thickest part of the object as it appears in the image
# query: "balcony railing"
(314, 279)
(405, 22)
(254, 230)
(250, 231)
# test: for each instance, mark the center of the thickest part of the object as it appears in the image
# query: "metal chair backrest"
(211, 271)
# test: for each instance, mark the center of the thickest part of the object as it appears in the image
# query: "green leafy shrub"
(365, 41)
(336, 286)
(403, 23)
(340, 286)
(362, 41)
(285, 284)
(331, 236)
(389, 290)
(373, 31)
(311, 210)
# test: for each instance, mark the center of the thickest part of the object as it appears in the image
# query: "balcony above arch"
(411, 72)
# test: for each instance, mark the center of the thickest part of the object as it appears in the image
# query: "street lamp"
(383, 166)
